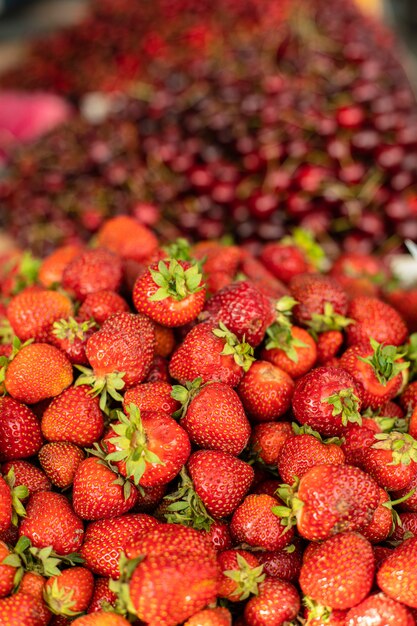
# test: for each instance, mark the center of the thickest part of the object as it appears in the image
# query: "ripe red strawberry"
(52, 267)
(255, 523)
(38, 371)
(71, 336)
(377, 320)
(60, 461)
(149, 498)
(101, 618)
(120, 354)
(340, 571)
(158, 371)
(267, 439)
(284, 260)
(319, 615)
(91, 271)
(244, 309)
(322, 302)
(265, 391)
(69, 593)
(397, 576)
(27, 474)
(219, 616)
(217, 258)
(284, 564)
(293, 350)
(213, 416)
(379, 607)
(32, 312)
(98, 492)
(149, 449)
(127, 237)
(263, 279)
(7, 572)
(154, 396)
(328, 345)
(357, 438)
(218, 535)
(105, 539)
(410, 504)
(383, 520)
(171, 540)
(211, 353)
(405, 526)
(33, 584)
(20, 433)
(329, 499)
(276, 603)
(170, 292)
(408, 398)
(51, 521)
(164, 340)
(304, 449)
(102, 595)
(73, 416)
(22, 609)
(326, 399)
(241, 574)
(391, 460)
(101, 305)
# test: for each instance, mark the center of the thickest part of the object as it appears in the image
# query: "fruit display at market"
(220, 118)
(191, 434)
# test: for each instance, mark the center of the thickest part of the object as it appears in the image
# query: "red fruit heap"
(227, 438)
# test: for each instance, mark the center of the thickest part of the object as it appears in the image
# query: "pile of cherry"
(231, 117)
(192, 434)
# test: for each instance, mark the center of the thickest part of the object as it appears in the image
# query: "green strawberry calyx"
(186, 507)
(102, 459)
(384, 361)
(305, 241)
(60, 600)
(279, 334)
(389, 504)
(184, 394)
(19, 493)
(246, 578)
(103, 386)
(130, 441)
(180, 250)
(17, 345)
(27, 272)
(305, 429)
(293, 505)
(174, 281)
(345, 403)
(402, 445)
(121, 586)
(242, 352)
(316, 611)
(71, 330)
(6, 332)
(328, 320)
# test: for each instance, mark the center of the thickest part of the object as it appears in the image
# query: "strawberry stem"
(247, 578)
(384, 361)
(174, 281)
(242, 352)
(186, 506)
(345, 403)
(71, 329)
(103, 386)
(402, 445)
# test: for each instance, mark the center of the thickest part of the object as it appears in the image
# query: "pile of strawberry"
(238, 131)
(195, 435)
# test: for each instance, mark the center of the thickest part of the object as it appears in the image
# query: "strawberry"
(377, 320)
(319, 615)
(284, 564)
(408, 398)
(51, 521)
(101, 305)
(219, 616)
(52, 267)
(322, 303)
(404, 301)
(304, 449)
(28, 475)
(397, 576)
(32, 312)
(267, 439)
(213, 416)
(357, 439)
(38, 371)
(69, 593)
(91, 271)
(127, 237)
(74, 416)
(241, 574)
(164, 340)
(276, 603)
(20, 433)
(120, 354)
(152, 397)
(211, 353)
(405, 526)
(255, 523)
(60, 461)
(22, 609)
(102, 595)
(149, 498)
(391, 460)
(245, 310)
(379, 607)
(71, 336)
(149, 449)
(410, 503)
(340, 571)
(98, 492)
(284, 261)
(383, 520)
(217, 258)
(265, 391)
(218, 535)
(293, 350)
(158, 371)
(101, 618)
(262, 279)
(105, 539)
(326, 399)
(328, 345)
(7, 572)
(170, 292)
(352, 266)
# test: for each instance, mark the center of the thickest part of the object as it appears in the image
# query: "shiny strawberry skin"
(380, 526)
(301, 452)
(91, 271)
(7, 572)
(284, 261)
(219, 616)
(220, 479)
(52, 267)
(267, 440)
(379, 607)
(283, 564)
(265, 391)
(102, 595)
(5, 506)
(276, 603)
(154, 396)
(306, 355)
(76, 580)
(215, 419)
(254, 523)
(101, 305)
(340, 571)
(60, 460)
(22, 609)
(25, 473)
(126, 236)
(20, 433)
(51, 521)
(377, 319)
(379, 464)
(32, 313)
(312, 291)
(101, 618)
(397, 576)
(328, 345)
